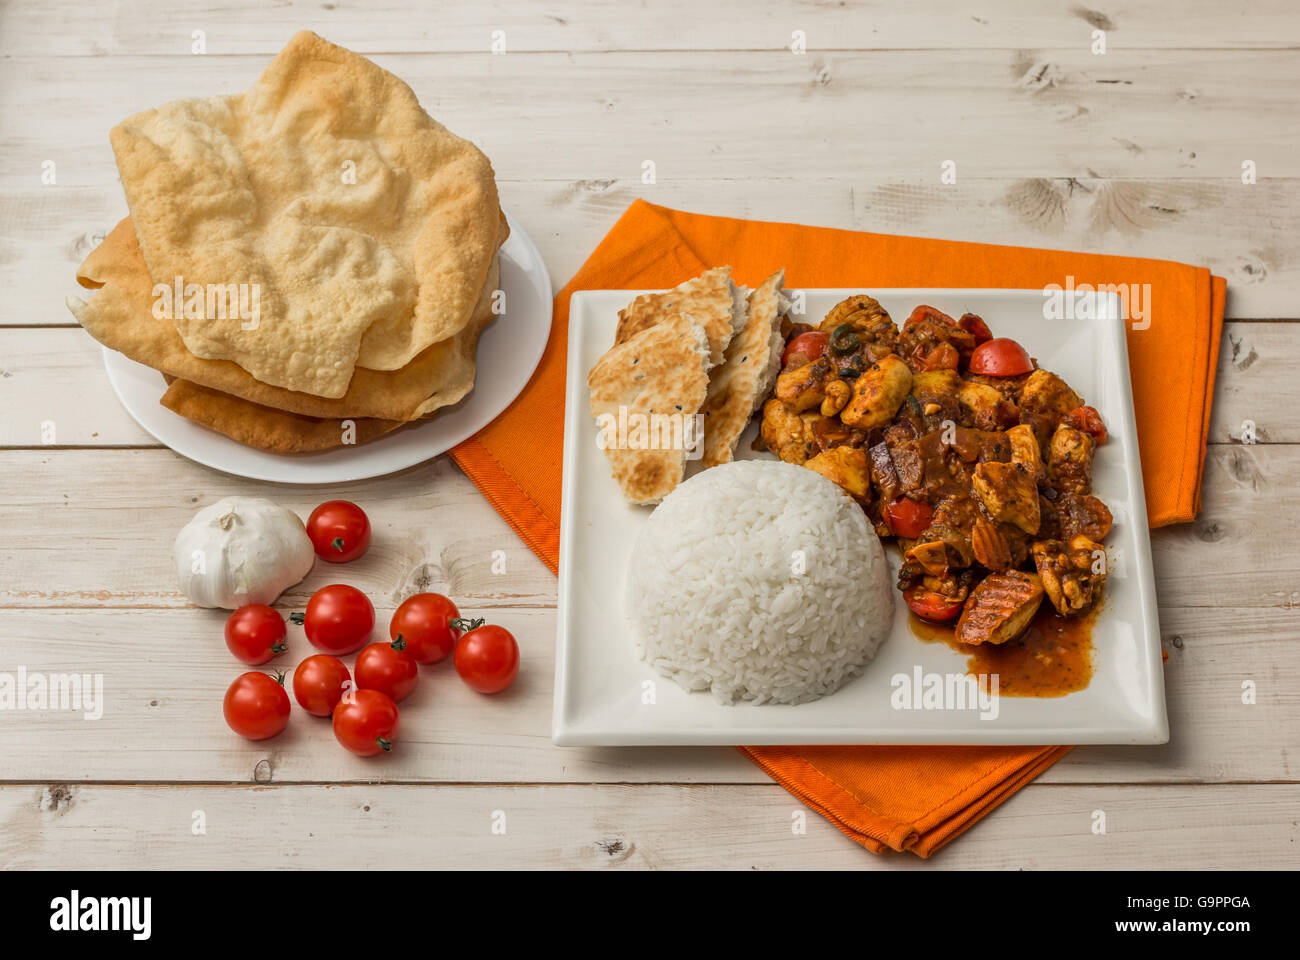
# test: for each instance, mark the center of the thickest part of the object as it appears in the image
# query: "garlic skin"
(241, 550)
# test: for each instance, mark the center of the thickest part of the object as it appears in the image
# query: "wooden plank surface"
(367, 827)
(164, 673)
(139, 27)
(1138, 151)
(1169, 114)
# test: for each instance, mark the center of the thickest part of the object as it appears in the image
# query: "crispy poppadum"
(265, 428)
(660, 371)
(711, 299)
(120, 316)
(366, 227)
(738, 386)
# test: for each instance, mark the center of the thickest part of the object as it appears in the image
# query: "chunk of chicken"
(1008, 493)
(878, 394)
(933, 385)
(1025, 451)
(786, 433)
(983, 404)
(1069, 460)
(847, 467)
(862, 313)
(1073, 573)
(1044, 401)
(1000, 608)
(804, 387)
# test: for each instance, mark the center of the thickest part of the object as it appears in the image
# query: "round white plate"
(508, 353)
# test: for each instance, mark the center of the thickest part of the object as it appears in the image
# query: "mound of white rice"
(759, 580)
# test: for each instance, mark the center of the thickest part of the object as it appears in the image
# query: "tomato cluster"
(425, 629)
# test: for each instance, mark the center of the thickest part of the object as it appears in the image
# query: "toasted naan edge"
(711, 299)
(265, 428)
(120, 316)
(662, 369)
(738, 386)
(366, 270)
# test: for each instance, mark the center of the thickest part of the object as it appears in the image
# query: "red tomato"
(388, 668)
(339, 530)
(256, 705)
(366, 722)
(931, 606)
(909, 518)
(812, 345)
(338, 620)
(1088, 420)
(926, 312)
(319, 683)
(487, 658)
(1000, 357)
(424, 622)
(255, 633)
(942, 357)
(976, 327)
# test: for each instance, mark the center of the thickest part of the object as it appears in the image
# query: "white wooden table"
(1138, 150)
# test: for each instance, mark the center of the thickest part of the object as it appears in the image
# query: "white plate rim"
(1153, 731)
(404, 448)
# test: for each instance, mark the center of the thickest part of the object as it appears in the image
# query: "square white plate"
(600, 684)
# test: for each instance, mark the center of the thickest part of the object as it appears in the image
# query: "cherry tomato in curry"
(1000, 357)
(811, 345)
(931, 606)
(909, 518)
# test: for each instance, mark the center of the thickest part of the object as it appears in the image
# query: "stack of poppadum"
(309, 263)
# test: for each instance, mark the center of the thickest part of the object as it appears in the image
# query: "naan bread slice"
(660, 370)
(738, 386)
(366, 226)
(120, 316)
(711, 299)
(266, 428)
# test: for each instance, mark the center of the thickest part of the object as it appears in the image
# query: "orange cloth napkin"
(902, 798)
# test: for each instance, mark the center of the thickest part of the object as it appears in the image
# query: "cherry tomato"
(487, 658)
(255, 633)
(366, 722)
(926, 312)
(1000, 357)
(339, 531)
(811, 345)
(256, 705)
(388, 668)
(909, 518)
(976, 327)
(319, 683)
(942, 357)
(1088, 420)
(338, 620)
(424, 622)
(931, 606)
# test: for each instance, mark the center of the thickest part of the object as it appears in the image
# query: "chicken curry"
(960, 447)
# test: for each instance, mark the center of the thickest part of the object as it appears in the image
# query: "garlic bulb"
(241, 550)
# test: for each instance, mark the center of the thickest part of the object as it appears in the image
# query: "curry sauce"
(1052, 658)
